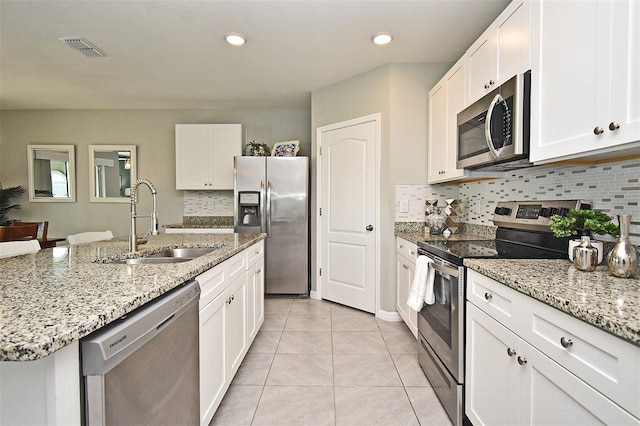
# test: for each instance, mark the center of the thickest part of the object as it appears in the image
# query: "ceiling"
(172, 54)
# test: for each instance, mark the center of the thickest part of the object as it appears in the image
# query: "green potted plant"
(578, 223)
(6, 194)
(259, 149)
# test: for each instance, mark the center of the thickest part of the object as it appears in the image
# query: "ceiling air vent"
(83, 46)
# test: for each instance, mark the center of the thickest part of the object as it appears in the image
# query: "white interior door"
(348, 221)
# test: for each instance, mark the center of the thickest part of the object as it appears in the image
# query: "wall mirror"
(112, 170)
(52, 173)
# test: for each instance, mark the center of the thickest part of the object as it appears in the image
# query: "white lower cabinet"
(406, 253)
(231, 313)
(561, 377)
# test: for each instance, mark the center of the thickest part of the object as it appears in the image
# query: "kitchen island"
(53, 298)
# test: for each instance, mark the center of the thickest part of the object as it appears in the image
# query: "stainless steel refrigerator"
(271, 195)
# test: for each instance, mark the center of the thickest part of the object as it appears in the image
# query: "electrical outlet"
(211, 205)
(404, 206)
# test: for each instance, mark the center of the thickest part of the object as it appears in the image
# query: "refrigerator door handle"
(262, 213)
(268, 208)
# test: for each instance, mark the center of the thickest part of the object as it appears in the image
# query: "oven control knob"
(545, 212)
(502, 211)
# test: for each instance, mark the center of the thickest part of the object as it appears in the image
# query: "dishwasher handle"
(110, 345)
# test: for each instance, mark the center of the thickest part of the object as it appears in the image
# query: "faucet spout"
(133, 240)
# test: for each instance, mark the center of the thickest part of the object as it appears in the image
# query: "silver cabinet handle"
(486, 86)
(613, 126)
(598, 130)
(258, 271)
(257, 251)
(565, 342)
(488, 296)
(491, 82)
(405, 266)
(413, 253)
(521, 360)
(510, 352)
(369, 228)
(401, 246)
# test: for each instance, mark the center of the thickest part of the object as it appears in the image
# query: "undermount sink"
(150, 260)
(189, 253)
(174, 255)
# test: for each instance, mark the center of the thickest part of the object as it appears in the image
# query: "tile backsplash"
(208, 203)
(613, 188)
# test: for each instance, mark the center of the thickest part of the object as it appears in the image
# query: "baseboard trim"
(388, 316)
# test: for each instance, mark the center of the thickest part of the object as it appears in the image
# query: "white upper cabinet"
(501, 52)
(446, 100)
(204, 155)
(585, 86)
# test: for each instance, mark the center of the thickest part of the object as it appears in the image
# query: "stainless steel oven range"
(523, 233)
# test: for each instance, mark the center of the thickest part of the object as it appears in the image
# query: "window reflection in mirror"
(51, 171)
(112, 170)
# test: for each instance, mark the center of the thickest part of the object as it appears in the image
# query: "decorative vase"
(436, 220)
(585, 256)
(597, 244)
(623, 258)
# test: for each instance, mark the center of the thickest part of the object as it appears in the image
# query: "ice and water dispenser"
(249, 214)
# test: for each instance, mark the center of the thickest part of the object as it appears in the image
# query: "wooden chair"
(88, 237)
(42, 228)
(19, 232)
(15, 248)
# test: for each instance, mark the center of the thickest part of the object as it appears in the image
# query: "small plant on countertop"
(583, 222)
(259, 149)
(6, 194)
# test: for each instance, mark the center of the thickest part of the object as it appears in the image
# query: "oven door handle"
(444, 270)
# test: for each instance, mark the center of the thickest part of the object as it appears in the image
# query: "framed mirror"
(112, 169)
(52, 173)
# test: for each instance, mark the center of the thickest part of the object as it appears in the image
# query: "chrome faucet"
(133, 239)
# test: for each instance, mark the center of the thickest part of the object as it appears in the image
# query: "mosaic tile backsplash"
(208, 203)
(613, 188)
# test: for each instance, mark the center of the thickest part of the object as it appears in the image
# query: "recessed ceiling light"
(235, 39)
(382, 38)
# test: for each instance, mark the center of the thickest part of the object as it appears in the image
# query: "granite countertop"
(203, 222)
(598, 298)
(56, 296)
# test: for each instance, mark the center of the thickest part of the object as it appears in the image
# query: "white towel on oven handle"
(422, 286)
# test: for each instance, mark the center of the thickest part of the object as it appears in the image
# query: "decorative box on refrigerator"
(271, 195)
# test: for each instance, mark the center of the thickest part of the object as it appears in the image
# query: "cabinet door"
(446, 100)
(405, 271)
(513, 41)
(235, 324)
(192, 156)
(492, 379)
(625, 81)
(255, 298)
(213, 374)
(552, 395)
(569, 78)
(480, 66)
(226, 143)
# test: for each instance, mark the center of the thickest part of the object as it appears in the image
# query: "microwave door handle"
(487, 125)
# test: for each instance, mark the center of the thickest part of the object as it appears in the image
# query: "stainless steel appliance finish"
(494, 132)
(442, 326)
(523, 233)
(271, 195)
(143, 368)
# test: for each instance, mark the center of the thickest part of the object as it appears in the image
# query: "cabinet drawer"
(255, 252)
(237, 265)
(496, 299)
(212, 283)
(605, 362)
(406, 249)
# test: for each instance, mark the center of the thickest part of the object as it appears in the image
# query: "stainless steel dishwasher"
(143, 368)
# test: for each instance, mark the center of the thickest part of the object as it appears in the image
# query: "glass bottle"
(623, 258)
(436, 220)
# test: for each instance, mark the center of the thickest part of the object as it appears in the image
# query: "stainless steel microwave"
(493, 133)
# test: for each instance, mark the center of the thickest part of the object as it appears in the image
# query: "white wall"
(399, 93)
(152, 131)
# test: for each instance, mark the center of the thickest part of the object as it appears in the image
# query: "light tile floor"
(320, 363)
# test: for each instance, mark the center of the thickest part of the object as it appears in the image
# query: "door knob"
(369, 228)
